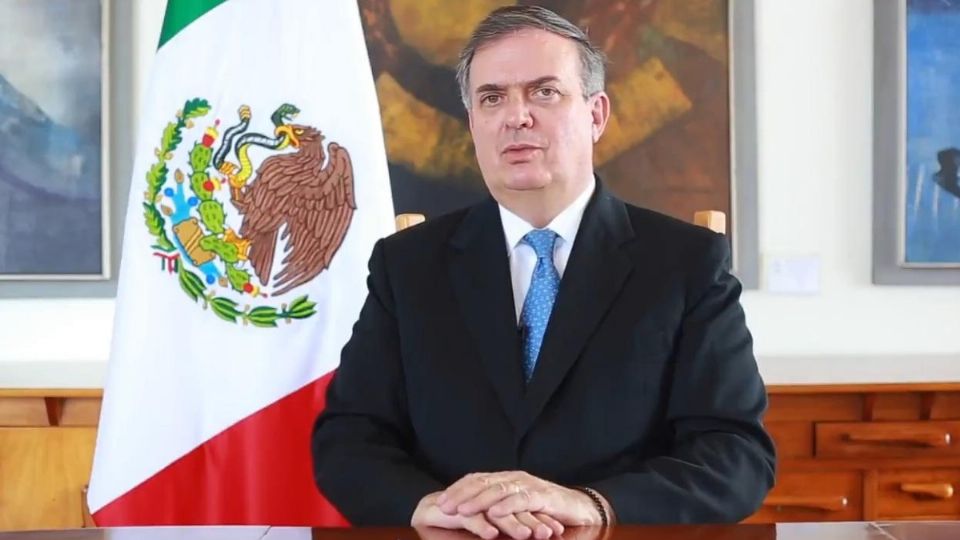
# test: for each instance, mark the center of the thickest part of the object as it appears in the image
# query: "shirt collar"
(565, 224)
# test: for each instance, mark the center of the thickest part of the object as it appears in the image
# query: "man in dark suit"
(552, 356)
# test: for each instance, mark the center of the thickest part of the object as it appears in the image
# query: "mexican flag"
(260, 186)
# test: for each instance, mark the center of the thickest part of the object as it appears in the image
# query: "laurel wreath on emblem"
(303, 200)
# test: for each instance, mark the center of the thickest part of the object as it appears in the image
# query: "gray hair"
(510, 19)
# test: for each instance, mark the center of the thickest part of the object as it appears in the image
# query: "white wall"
(815, 136)
(814, 90)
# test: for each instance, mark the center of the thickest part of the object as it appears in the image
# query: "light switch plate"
(792, 274)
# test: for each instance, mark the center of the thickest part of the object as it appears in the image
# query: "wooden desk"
(846, 453)
(782, 531)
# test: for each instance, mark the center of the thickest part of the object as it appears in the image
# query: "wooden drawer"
(28, 411)
(918, 494)
(887, 439)
(793, 439)
(832, 496)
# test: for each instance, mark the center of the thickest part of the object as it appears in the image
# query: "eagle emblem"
(234, 233)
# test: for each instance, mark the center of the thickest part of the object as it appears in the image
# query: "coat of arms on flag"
(300, 197)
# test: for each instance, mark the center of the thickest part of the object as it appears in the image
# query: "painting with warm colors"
(667, 146)
(931, 190)
(51, 186)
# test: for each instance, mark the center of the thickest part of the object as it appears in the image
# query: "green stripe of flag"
(180, 13)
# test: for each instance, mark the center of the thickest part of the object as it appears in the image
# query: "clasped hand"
(514, 503)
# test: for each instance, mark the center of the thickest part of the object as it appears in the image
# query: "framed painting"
(917, 143)
(54, 196)
(682, 136)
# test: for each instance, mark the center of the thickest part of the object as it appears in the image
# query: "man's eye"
(490, 99)
(547, 92)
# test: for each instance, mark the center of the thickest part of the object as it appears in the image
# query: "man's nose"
(518, 114)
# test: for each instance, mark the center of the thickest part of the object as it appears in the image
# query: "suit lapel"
(480, 273)
(594, 276)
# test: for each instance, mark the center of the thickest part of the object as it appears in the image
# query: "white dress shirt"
(522, 257)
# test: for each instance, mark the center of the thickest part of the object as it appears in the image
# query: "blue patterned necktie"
(540, 297)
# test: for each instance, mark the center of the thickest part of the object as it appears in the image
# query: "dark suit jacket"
(646, 388)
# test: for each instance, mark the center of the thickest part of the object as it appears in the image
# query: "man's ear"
(600, 113)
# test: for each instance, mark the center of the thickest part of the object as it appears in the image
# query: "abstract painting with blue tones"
(51, 195)
(932, 191)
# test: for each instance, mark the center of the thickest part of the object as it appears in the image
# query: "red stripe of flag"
(256, 472)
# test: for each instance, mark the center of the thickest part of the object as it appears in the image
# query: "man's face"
(531, 126)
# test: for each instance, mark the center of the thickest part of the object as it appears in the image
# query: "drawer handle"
(928, 440)
(935, 491)
(821, 503)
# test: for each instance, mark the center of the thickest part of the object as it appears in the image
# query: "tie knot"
(542, 242)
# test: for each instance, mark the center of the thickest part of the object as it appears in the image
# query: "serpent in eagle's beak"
(290, 135)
